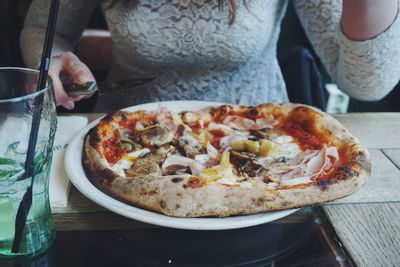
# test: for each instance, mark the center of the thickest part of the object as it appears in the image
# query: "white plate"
(75, 171)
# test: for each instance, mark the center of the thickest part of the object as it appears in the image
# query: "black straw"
(26, 202)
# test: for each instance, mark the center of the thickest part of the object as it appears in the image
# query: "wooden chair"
(94, 49)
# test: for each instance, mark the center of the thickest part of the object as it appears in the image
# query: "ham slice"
(212, 151)
(261, 123)
(175, 160)
(245, 124)
(312, 166)
(164, 117)
(333, 155)
(290, 164)
(239, 123)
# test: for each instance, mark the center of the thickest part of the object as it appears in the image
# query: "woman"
(222, 50)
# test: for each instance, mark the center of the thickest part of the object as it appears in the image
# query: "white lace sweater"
(195, 54)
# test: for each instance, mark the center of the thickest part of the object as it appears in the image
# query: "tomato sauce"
(112, 154)
(129, 124)
(305, 139)
(217, 135)
(328, 174)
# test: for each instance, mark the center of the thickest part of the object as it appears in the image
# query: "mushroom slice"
(245, 165)
(266, 133)
(127, 144)
(124, 133)
(144, 166)
(177, 170)
(156, 135)
(190, 145)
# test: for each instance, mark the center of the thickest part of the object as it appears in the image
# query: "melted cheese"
(286, 148)
(283, 139)
(202, 158)
(223, 173)
(121, 166)
(296, 181)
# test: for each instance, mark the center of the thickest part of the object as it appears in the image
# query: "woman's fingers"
(68, 68)
(78, 71)
(62, 97)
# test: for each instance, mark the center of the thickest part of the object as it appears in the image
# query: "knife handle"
(76, 89)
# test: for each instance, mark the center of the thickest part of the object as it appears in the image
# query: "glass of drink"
(18, 93)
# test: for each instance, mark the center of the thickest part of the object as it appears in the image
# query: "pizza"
(224, 160)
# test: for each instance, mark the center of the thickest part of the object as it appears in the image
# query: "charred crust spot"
(177, 206)
(107, 174)
(148, 193)
(184, 186)
(196, 182)
(178, 194)
(259, 201)
(162, 203)
(109, 117)
(253, 112)
(213, 111)
(220, 112)
(94, 138)
(176, 180)
(123, 116)
(346, 172)
(223, 110)
(267, 179)
(360, 162)
(323, 184)
(285, 204)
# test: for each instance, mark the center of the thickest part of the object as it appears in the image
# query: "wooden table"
(367, 223)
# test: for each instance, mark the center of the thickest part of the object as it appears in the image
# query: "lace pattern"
(366, 70)
(195, 54)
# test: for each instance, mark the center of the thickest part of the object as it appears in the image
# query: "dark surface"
(390, 103)
(271, 244)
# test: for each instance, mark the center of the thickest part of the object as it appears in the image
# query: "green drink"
(17, 100)
(38, 234)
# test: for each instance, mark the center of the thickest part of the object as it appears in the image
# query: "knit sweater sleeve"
(72, 18)
(365, 70)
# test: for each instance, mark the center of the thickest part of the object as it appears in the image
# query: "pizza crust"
(189, 196)
(178, 199)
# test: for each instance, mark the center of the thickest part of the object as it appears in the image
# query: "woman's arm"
(365, 19)
(72, 19)
(359, 48)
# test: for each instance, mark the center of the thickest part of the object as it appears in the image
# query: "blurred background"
(304, 70)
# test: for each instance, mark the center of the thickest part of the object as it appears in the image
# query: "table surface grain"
(367, 223)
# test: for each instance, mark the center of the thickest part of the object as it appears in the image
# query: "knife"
(88, 88)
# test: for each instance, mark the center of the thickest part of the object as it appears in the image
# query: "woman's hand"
(67, 68)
